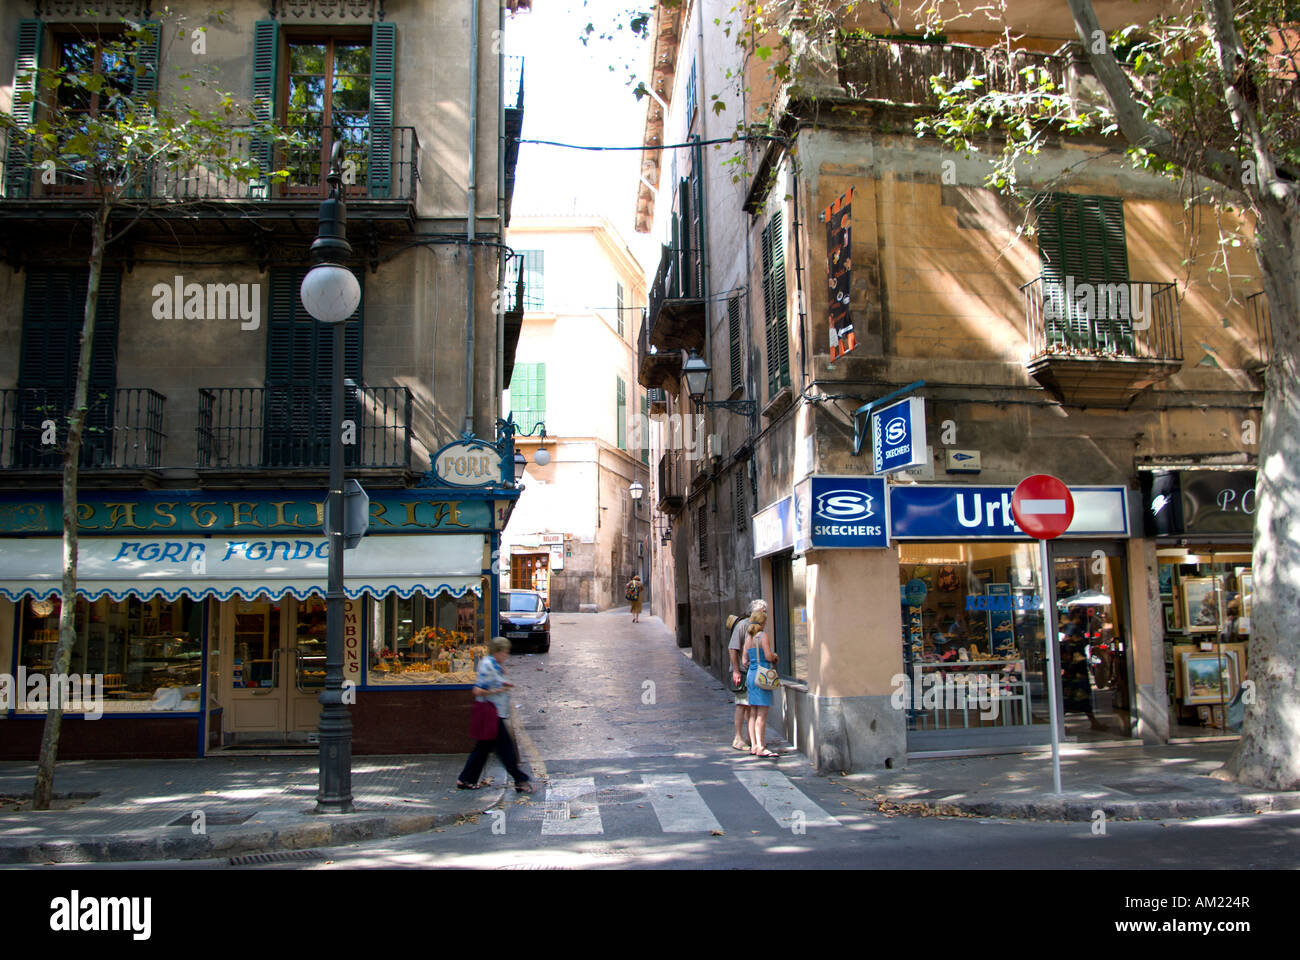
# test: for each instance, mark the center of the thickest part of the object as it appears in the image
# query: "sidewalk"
(146, 810)
(1124, 783)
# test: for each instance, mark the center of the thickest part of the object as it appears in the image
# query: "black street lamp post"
(330, 292)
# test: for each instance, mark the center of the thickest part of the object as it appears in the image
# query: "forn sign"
(468, 464)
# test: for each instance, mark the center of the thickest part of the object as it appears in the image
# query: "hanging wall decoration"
(839, 274)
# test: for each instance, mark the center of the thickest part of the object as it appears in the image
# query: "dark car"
(525, 621)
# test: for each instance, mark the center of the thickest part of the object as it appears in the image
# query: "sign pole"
(1049, 620)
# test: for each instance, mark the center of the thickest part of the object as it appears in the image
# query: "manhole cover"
(554, 811)
(621, 795)
(285, 856)
(218, 818)
(1146, 786)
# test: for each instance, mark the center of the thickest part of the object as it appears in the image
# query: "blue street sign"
(898, 436)
(840, 512)
(971, 511)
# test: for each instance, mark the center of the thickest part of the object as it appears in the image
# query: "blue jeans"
(505, 749)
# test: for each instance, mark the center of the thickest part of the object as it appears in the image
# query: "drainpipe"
(471, 214)
(501, 204)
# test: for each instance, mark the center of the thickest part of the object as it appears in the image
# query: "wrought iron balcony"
(124, 429)
(899, 72)
(672, 487)
(288, 427)
(676, 314)
(369, 177)
(1096, 341)
(656, 370)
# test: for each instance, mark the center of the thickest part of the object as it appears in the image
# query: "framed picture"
(1201, 612)
(1246, 585)
(1209, 677)
(1166, 575)
(1171, 618)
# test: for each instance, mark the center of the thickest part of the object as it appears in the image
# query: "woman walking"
(758, 655)
(493, 688)
(633, 593)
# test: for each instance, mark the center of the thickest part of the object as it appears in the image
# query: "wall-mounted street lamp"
(696, 373)
(330, 292)
(506, 433)
(635, 491)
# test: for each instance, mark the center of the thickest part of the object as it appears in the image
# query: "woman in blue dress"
(758, 654)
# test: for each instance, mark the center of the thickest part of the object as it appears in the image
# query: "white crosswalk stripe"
(565, 813)
(783, 801)
(677, 804)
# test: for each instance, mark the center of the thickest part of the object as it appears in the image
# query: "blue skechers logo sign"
(847, 505)
(895, 430)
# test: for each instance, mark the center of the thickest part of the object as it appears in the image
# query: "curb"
(125, 847)
(1049, 807)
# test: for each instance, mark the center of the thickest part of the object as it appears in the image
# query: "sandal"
(739, 744)
(768, 755)
(524, 787)
(461, 785)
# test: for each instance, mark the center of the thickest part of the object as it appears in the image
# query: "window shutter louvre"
(621, 401)
(299, 374)
(733, 334)
(739, 499)
(774, 305)
(27, 54)
(266, 74)
(145, 82)
(1082, 237)
(645, 428)
(702, 529)
(383, 67)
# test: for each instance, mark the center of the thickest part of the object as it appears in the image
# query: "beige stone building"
(577, 535)
(1087, 350)
(210, 384)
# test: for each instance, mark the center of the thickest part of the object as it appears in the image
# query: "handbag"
(736, 687)
(483, 720)
(765, 678)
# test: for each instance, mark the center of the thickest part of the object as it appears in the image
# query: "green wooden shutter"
(528, 395)
(621, 401)
(27, 55)
(697, 221)
(774, 305)
(266, 76)
(145, 82)
(645, 428)
(733, 335)
(53, 315)
(383, 67)
(1082, 237)
(299, 375)
(685, 252)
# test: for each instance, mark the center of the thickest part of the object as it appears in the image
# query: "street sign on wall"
(840, 512)
(898, 436)
(1042, 506)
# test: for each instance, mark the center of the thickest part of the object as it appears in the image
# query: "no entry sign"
(1043, 507)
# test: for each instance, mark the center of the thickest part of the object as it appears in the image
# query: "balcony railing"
(126, 434)
(899, 71)
(672, 489)
(365, 176)
(1095, 318)
(271, 428)
(678, 278)
(1257, 310)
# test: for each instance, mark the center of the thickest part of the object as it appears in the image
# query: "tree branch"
(1214, 164)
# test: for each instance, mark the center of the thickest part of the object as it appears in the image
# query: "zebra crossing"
(576, 806)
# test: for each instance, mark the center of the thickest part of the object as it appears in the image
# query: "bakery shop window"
(427, 638)
(144, 655)
(973, 637)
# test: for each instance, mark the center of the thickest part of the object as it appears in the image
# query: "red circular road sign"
(1043, 507)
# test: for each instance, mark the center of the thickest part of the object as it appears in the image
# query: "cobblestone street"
(613, 688)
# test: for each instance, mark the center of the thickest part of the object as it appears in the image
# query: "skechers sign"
(898, 436)
(840, 512)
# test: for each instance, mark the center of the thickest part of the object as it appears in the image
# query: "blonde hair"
(498, 644)
(757, 620)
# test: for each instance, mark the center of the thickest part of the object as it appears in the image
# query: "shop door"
(1094, 640)
(276, 670)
